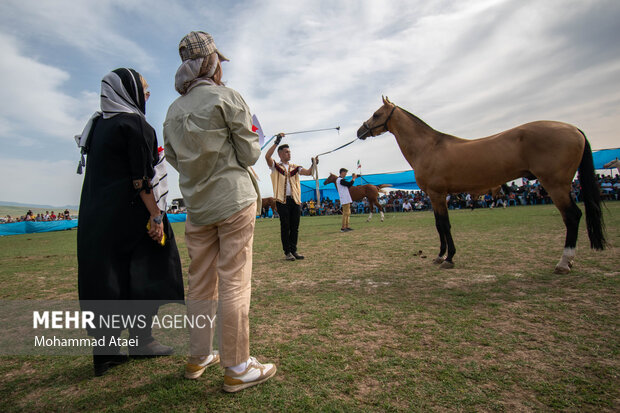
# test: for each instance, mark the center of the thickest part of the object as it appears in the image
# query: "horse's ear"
(387, 101)
(383, 98)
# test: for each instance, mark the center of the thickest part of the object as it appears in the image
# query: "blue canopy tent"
(401, 180)
(604, 156)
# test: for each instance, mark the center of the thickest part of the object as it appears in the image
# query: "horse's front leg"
(448, 263)
(443, 246)
(442, 222)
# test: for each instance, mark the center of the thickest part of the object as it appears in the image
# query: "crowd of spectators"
(39, 217)
(530, 193)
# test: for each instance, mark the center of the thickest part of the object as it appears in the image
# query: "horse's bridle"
(383, 125)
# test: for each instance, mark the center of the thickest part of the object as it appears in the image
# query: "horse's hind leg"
(379, 207)
(369, 216)
(571, 214)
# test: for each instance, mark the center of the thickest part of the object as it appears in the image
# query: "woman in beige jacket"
(209, 141)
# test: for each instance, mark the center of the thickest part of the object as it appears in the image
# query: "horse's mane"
(440, 135)
(415, 118)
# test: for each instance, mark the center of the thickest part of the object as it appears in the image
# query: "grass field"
(364, 323)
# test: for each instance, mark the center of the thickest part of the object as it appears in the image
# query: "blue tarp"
(177, 217)
(604, 156)
(29, 227)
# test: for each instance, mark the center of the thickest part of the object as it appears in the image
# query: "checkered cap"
(198, 44)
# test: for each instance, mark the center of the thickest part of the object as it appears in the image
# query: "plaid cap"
(198, 44)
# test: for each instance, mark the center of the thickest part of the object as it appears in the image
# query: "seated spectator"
(606, 186)
(406, 206)
(488, 200)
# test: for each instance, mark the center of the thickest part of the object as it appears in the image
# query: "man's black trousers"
(289, 224)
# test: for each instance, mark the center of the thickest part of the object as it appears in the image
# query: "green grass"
(363, 324)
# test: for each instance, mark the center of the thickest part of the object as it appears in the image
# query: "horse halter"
(383, 125)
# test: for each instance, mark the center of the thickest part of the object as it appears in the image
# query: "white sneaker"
(255, 373)
(196, 365)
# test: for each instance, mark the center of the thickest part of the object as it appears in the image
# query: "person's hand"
(353, 176)
(279, 137)
(157, 229)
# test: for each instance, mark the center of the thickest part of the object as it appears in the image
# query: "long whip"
(298, 132)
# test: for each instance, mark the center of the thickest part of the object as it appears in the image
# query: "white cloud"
(32, 97)
(95, 28)
(40, 181)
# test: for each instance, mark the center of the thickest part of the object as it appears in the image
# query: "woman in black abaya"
(118, 259)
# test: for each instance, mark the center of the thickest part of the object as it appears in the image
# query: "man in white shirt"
(345, 198)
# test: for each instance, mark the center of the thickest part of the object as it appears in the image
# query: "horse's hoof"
(561, 270)
(446, 265)
(438, 260)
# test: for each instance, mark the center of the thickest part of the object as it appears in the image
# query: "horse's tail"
(381, 187)
(591, 196)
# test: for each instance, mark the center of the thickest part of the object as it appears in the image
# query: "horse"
(612, 164)
(359, 192)
(545, 150)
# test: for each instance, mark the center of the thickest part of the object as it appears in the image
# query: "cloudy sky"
(468, 68)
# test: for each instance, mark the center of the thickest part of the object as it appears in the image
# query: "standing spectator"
(118, 259)
(345, 198)
(220, 194)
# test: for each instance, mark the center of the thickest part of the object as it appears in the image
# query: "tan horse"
(359, 192)
(550, 151)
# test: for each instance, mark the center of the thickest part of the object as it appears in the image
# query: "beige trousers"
(220, 276)
(346, 213)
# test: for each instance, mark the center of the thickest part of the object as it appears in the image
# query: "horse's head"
(331, 179)
(377, 124)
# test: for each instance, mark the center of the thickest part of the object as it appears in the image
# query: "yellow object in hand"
(162, 242)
